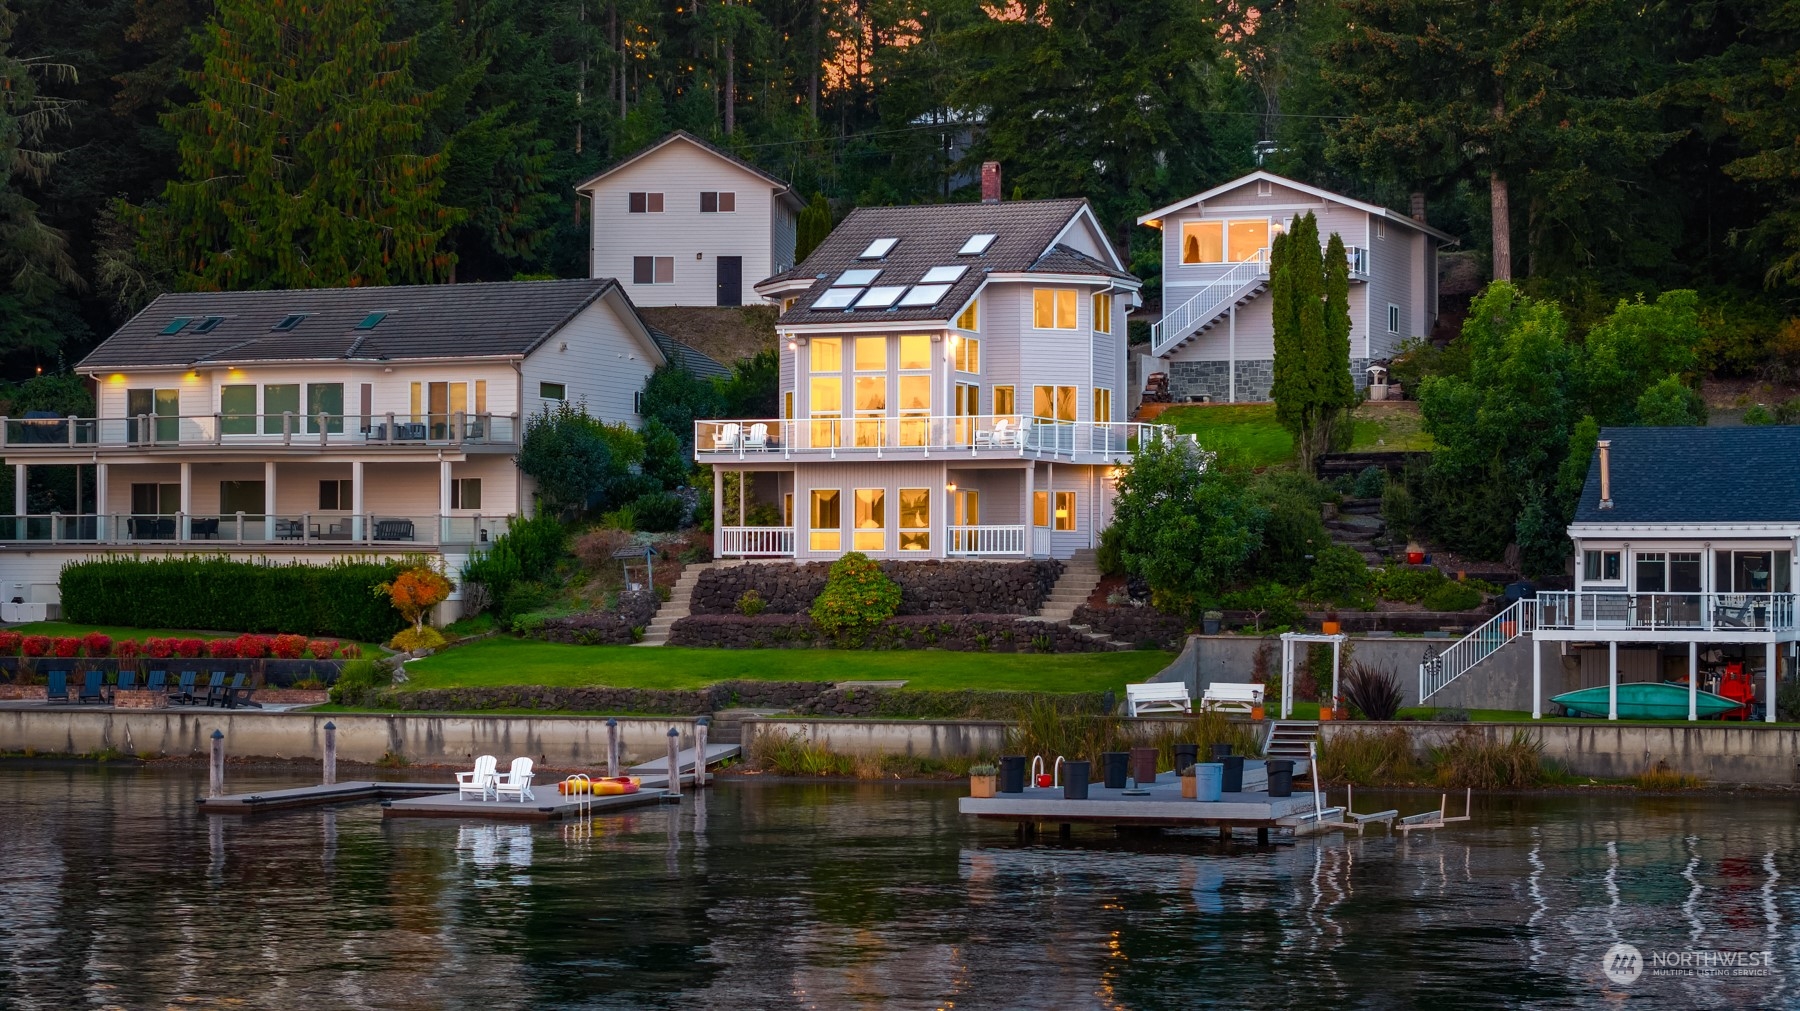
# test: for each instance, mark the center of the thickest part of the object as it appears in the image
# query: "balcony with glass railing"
(225, 530)
(229, 431)
(903, 437)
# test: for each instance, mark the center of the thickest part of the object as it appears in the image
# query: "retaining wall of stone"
(926, 586)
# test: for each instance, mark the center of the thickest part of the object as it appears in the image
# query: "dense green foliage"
(217, 593)
(1309, 294)
(566, 454)
(527, 551)
(858, 596)
(1184, 524)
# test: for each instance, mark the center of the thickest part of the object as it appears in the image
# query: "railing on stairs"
(1436, 673)
(1207, 303)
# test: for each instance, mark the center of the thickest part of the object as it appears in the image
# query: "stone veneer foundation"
(1192, 379)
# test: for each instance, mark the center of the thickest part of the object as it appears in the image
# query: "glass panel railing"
(875, 435)
(235, 429)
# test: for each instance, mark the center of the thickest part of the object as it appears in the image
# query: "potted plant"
(984, 780)
(1330, 625)
(1189, 786)
(1326, 713)
(1211, 622)
(1415, 555)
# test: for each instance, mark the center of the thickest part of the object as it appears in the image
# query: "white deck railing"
(1206, 304)
(223, 530)
(1471, 649)
(879, 436)
(1008, 539)
(153, 431)
(764, 542)
(1600, 611)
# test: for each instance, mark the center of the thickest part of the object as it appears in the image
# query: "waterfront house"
(321, 424)
(685, 223)
(1216, 334)
(951, 386)
(1685, 545)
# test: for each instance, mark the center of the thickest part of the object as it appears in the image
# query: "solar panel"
(881, 296)
(925, 294)
(837, 298)
(857, 278)
(943, 275)
(976, 245)
(878, 249)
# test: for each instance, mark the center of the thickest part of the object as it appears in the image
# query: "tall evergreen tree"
(1302, 390)
(301, 158)
(1337, 386)
(34, 257)
(813, 225)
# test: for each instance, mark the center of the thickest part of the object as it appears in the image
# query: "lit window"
(915, 519)
(915, 351)
(1103, 313)
(971, 317)
(943, 275)
(976, 245)
(871, 354)
(967, 354)
(871, 520)
(1053, 403)
(825, 535)
(1003, 401)
(1065, 510)
(1102, 406)
(878, 249)
(1248, 238)
(1053, 308)
(826, 354)
(1040, 508)
(1203, 242)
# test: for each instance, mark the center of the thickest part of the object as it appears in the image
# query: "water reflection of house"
(1685, 546)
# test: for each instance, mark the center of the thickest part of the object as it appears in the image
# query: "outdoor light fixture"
(951, 487)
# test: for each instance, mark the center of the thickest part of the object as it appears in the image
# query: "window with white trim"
(1393, 318)
(1053, 308)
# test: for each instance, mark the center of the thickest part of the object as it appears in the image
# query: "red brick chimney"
(990, 182)
(1418, 207)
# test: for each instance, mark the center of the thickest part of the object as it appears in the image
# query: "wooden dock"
(1161, 805)
(315, 796)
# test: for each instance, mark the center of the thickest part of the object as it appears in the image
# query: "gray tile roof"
(1060, 259)
(698, 364)
(1697, 475)
(930, 235)
(423, 321)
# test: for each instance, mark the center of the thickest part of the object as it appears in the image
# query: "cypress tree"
(1340, 387)
(1310, 303)
(1287, 388)
(302, 162)
(813, 225)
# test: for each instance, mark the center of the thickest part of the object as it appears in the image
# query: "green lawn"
(507, 661)
(1247, 435)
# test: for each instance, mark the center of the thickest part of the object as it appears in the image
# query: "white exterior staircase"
(1190, 319)
(1291, 739)
(678, 606)
(1438, 672)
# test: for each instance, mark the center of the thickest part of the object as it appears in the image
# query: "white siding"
(681, 172)
(1391, 265)
(890, 477)
(605, 365)
(784, 236)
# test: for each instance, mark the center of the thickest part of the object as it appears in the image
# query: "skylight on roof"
(881, 296)
(943, 275)
(976, 245)
(372, 320)
(209, 324)
(857, 278)
(177, 323)
(837, 298)
(925, 294)
(878, 249)
(288, 322)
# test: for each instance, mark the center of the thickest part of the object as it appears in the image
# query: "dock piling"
(217, 788)
(700, 726)
(330, 764)
(612, 749)
(674, 788)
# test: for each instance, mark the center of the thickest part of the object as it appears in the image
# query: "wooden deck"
(1162, 806)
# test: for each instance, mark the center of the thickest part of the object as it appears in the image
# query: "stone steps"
(1079, 577)
(678, 606)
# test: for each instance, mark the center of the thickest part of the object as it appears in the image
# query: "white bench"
(1170, 697)
(1231, 697)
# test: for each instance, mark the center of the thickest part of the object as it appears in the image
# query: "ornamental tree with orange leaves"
(415, 591)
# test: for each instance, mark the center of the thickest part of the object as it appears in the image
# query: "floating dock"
(1160, 805)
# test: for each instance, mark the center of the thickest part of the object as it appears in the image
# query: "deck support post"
(1693, 681)
(612, 749)
(674, 764)
(330, 764)
(700, 727)
(1769, 682)
(1262, 835)
(1537, 680)
(1612, 680)
(217, 786)
(19, 498)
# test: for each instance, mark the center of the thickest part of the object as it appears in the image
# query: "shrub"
(127, 649)
(287, 647)
(1471, 760)
(189, 648)
(1371, 481)
(528, 551)
(659, 511)
(322, 649)
(1787, 701)
(857, 596)
(160, 649)
(1271, 605)
(350, 651)
(1758, 415)
(65, 646)
(217, 592)
(9, 643)
(252, 647)
(1399, 582)
(1396, 509)
(751, 603)
(1374, 691)
(221, 649)
(408, 640)
(96, 644)
(1339, 575)
(1452, 596)
(1369, 758)
(357, 680)
(35, 645)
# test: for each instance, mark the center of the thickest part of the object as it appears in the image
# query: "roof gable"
(1154, 218)
(681, 138)
(1696, 476)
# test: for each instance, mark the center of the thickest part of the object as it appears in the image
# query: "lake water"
(115, 892)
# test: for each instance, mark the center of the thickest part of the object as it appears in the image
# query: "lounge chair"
(127, 680)
(757, 437)
(238, 694)
(726, 436)
(57, 689)
(515, 783)
(479, 783)
(183, 692)
(158, 681)
(93, 687)
(215, 690)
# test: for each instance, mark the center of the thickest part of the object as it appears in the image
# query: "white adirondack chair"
(1008, 435)
(757, 437)
(726, 436)
(479, 783)
(515, 783)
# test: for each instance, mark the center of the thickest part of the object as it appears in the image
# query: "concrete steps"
(677, 607)
(1079, 577)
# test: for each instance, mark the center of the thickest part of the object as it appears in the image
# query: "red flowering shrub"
(189, 648)
(287, 647)
(160, 649)
(253, 647)
(35, 645)
(222, 649)
(321, 649)
(127, 649)
(97, 644)
(9, 643)
(65, 646)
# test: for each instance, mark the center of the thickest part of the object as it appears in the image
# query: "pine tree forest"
(1588, 149)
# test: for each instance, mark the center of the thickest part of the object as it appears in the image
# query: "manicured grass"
(506, 661)
(1247, 435)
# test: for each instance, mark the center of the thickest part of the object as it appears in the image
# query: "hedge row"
(336, 599)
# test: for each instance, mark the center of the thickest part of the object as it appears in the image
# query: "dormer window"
(878, 249)
(976, 245)
(289, 322)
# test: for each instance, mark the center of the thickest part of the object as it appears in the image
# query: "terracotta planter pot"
(1328, 627)
(1189, 788)
(983, 786)
(1509, 628)
(1257, 713)
(1325, 715)
(1415, 558)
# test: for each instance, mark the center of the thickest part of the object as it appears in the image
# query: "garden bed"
(977, 633)
(926, 586)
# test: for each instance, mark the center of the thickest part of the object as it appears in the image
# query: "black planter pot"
(1281, 777)
(1220, 751)
(1234, 774)
(1075, 780)
(1116, 766)
(1185, 755)
(1012, 774)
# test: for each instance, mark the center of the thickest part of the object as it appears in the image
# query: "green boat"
(1646, 700)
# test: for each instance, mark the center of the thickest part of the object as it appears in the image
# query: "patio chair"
(757, 437)
(480, 782)
(1008, 435)
(726, 436)
(183, 692)
(157, 682)
(93, 687)
(57, 686)
(238, 694)
(127, 680)
(516, 782)
(215, 690)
